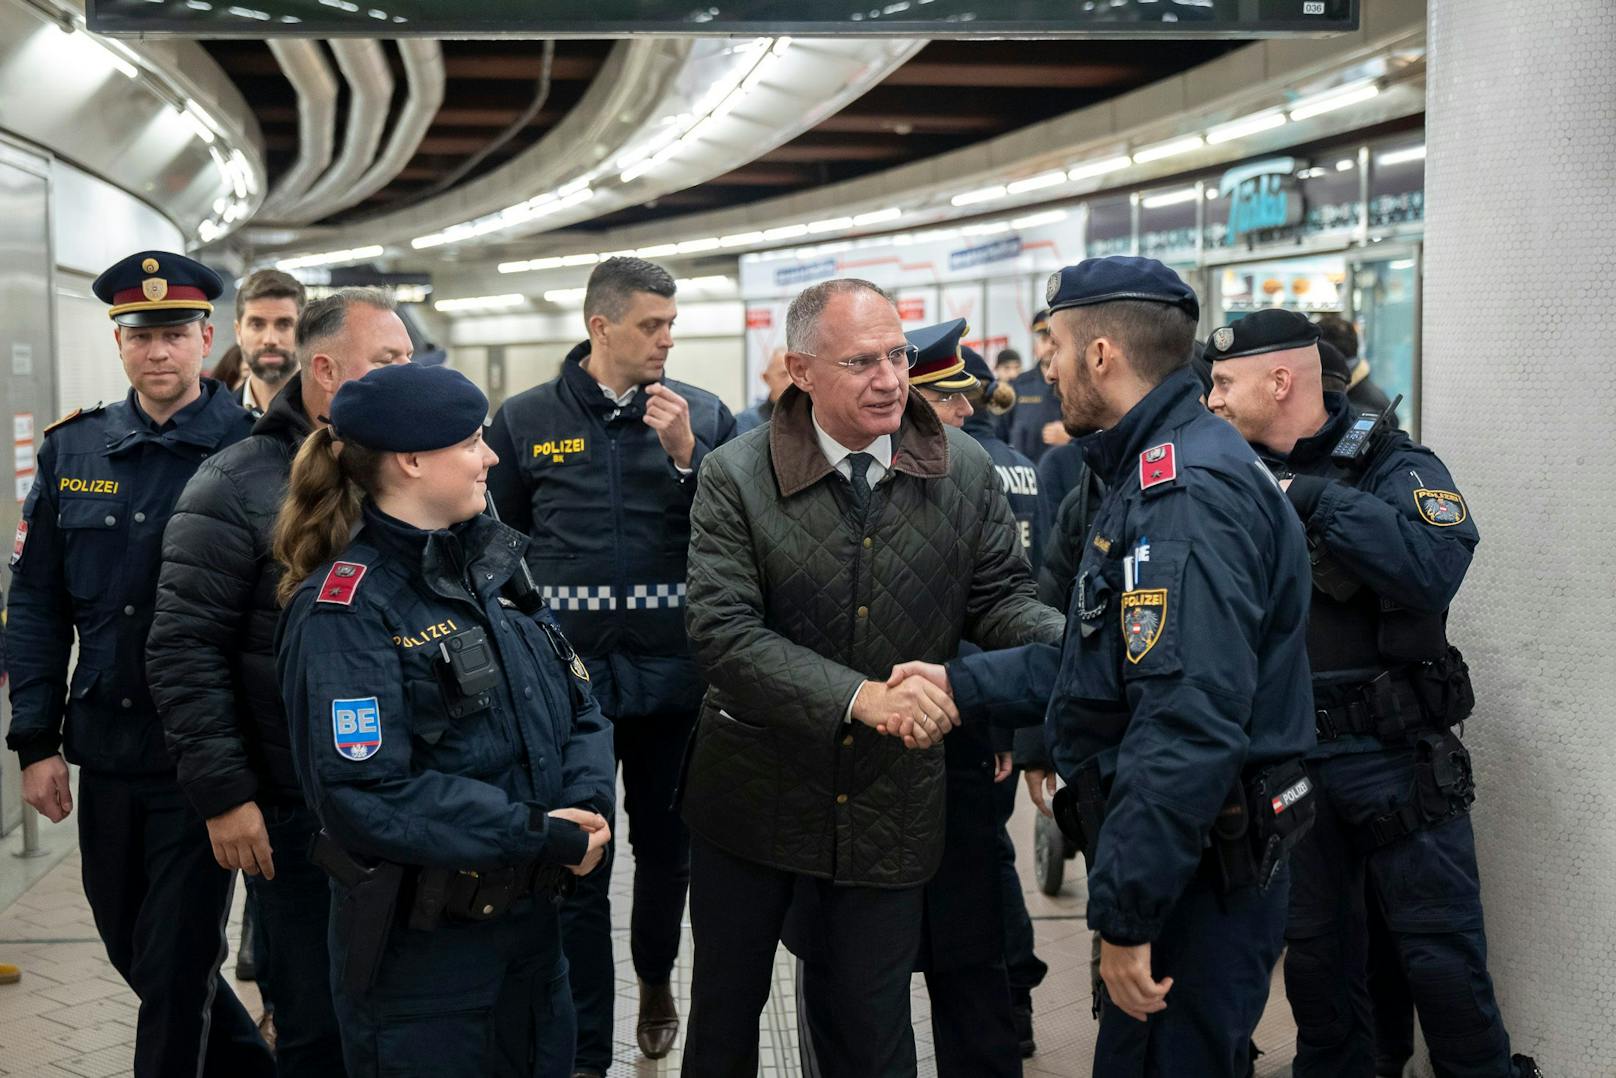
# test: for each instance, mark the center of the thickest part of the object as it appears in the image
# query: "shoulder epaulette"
(341, 583)
(1158, 468)
(77, 413)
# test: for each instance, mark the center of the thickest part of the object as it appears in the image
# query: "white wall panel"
(88, 369)
(1521, 142)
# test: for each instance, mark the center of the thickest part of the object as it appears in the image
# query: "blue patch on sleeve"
(356, 727)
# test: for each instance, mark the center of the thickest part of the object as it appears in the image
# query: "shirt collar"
(623, 399)
(835, 452)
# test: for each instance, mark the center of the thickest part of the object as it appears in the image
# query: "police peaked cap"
(408, 408)
(1119, 277)
(940, 365)
(158, 288)
(1273, 329)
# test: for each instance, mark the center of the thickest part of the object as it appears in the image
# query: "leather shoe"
(658, 1027)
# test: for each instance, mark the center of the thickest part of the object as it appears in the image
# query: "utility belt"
(1398, 704)
(371, 897)
(1261, 821)
(1444, 787)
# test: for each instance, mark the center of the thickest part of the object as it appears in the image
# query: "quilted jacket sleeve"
(204, 592)
(1002, 609)
(773, 679)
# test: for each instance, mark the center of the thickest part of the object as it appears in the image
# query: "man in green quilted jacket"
(852, 533)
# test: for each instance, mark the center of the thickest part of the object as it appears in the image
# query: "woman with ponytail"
(444, 733)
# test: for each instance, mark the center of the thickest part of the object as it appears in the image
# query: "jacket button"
(841, 799)
(129, 610)
(513, 544)
(126, 702)
(140, 518)
(527, 692)
(868, 542)
(111, 520)
(487, 909)
(863, 611)
(847, 742)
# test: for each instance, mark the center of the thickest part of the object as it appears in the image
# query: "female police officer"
(442, 729)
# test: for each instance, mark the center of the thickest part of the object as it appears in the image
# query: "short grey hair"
(325, 317)
(613, 283)
(802, 317)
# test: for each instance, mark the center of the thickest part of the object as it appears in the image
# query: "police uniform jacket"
(211, 653)
(797, 597)
(1036, 407)
(1178, 686)
(85, 560)
(609, 519)
(398, 763)
(1396, 524)
(1019, 478)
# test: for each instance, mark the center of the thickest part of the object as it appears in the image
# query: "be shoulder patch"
(342, 583)
(356, 727)
(1443, 508)
(1157, 465)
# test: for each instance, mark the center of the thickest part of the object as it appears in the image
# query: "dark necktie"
(860, 477)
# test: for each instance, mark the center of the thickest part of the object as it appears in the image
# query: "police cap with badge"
(408, 408)
(157, 288)
(1119, 278)
(1272, 330)
(940, 363)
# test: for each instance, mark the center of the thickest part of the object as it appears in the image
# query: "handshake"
(915, 703)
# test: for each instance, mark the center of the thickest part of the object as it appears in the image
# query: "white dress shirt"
(837, 454)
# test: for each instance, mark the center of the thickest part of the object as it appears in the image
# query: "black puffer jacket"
(210, 657)
(796, 598)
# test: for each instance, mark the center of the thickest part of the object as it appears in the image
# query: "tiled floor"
(73, 1015)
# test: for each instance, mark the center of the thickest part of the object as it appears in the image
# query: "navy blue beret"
(157, 288)
(1119, 277)
(939, 364)
(408, 408)
(1273, 329)
(977, 367)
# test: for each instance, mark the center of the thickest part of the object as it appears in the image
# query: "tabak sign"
(1264, 196)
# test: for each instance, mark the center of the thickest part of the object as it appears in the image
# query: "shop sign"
(997, 251)
(1263, 196)
(807, 271)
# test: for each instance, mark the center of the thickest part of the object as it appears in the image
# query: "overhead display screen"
(609, 18)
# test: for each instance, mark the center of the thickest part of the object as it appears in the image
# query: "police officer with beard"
(1390, 538)
(1177, 708)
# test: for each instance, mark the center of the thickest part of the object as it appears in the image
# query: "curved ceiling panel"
(310, 74)
(364, 66)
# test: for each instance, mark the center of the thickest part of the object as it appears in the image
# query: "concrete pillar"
(1520, 399)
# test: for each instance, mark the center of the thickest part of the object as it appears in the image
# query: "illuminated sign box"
(616, 18)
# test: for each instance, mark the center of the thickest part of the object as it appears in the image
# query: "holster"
(365, 912)
(484, 894)
(1444, 787)
(1079, 809)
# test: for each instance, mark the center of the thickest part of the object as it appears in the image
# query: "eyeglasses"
(901, 358)
(939, 398)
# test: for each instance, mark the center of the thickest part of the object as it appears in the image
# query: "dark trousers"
(160, 902)
(294, 912)
(650, 750)
(1220, 951)
(1389, 997)
(737, 909)
(1023, 967)
(486, 1000)
(1430, 893)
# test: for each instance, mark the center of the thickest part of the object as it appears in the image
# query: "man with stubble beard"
(268, 305)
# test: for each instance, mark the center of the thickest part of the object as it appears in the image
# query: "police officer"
(85, 562)
(1391, 538)
(600, 469)
(1033, 426)
(1178, 706)
(442, 730)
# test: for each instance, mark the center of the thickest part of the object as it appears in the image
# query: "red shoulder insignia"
(342, 583)
(1157, 466)
(66, 419)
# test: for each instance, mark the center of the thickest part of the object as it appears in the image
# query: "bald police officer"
(1177, 708)
(1391, 537)
(85, 562)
